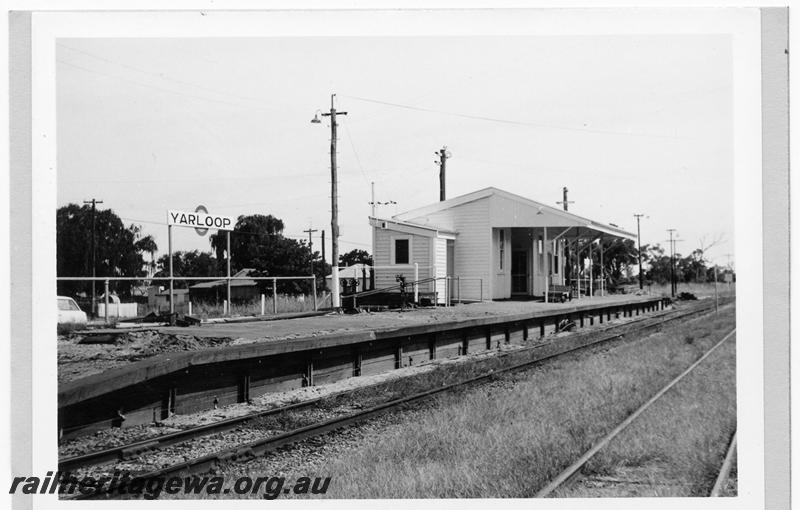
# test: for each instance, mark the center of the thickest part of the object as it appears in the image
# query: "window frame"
(393, 250)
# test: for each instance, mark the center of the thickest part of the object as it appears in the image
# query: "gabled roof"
(234, 283)
(491, 191)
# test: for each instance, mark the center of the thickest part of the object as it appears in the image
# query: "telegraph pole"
(372, 203)
(672, 261)
(311, 247)
(324, 285)
(335, 298)
(94, 203)
(443, 154)
(566, 202)
(639, 240)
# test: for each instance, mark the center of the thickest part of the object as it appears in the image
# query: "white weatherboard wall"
(385, 271)
(440, 266)
(473, 242)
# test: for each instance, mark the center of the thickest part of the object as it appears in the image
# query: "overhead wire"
(161, 89)
(158, 75)
(507, 121)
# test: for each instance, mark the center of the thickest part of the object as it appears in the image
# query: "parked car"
(69, 312)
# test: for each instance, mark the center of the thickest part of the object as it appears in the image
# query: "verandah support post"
(546, 268)
(602, 270)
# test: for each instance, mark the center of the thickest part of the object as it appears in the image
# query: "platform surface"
(335, 323)
(261, 339)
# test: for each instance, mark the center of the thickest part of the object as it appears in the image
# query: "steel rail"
(132, 449)
(725, 470)
(260, 447)
(575, 467)
(129, 450)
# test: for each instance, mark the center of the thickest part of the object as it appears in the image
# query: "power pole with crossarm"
(311, 247)
(335, 297)
(565, 202)
(94, 203)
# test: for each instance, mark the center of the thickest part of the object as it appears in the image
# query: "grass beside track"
(677, 446)
(508, 438)
(508, 442)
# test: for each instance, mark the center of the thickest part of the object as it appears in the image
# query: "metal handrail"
(393, 287)
(212, 278)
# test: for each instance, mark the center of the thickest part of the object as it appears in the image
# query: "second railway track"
(573, 471)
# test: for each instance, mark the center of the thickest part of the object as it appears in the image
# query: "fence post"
(274, 296)
(416, 279)
(190, 308)
(314, 289)
(263, 300)
(225, 307)
(105, 312)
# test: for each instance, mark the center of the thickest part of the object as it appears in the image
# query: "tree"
(257, 242)
(188, 263)
(355, 257)
(117, 253)
(618, 256)
(658, 262)
(147, 244)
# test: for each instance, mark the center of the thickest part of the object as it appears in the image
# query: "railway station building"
(494, 245)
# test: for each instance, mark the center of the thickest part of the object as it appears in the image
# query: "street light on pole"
(335, 298)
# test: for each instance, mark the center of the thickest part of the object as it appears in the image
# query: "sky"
(630, 124)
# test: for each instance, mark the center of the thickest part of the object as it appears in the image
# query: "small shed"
(216, 291)
(361, 273)
(158, 297)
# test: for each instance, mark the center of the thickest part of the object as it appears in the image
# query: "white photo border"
(743, 25)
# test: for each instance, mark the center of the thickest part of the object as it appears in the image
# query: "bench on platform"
(561, 293)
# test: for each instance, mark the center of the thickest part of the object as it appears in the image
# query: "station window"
(555, 257)
(402, 250)
(502, 246)
(540, 253)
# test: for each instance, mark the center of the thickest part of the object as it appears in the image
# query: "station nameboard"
(199, 220)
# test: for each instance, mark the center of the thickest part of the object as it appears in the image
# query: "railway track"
(572, 472)
(725, 470)
(253, 449)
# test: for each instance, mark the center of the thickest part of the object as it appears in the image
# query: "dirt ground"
(77, 360)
